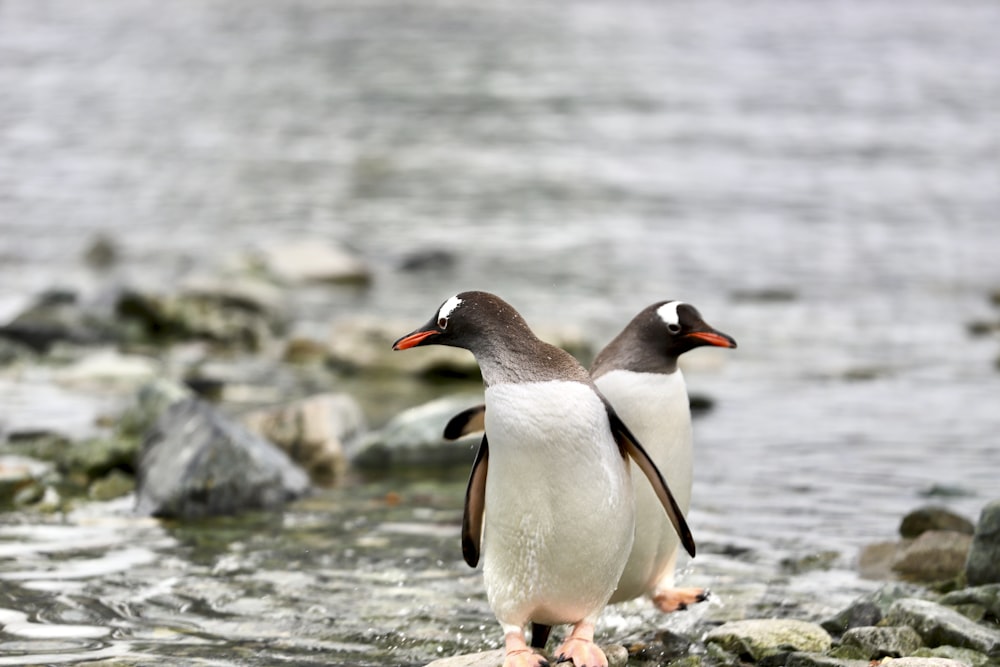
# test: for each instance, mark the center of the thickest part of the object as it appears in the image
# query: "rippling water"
(583, 160)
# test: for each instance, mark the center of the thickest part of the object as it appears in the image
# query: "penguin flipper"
(629, 444)
(475, 505)
(471, 420)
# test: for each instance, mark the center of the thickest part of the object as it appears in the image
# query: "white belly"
(559, 517)
(656, 409)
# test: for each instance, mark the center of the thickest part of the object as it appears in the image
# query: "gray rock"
(933, 517)
(965, 656)
(757, 638)
(924, 662)
(56, 315)
(869, 609)
(151, 400)
(935, 555)
(938, 625)
(875, 560)
(987, 596)
(983, 564)
(800, 659)
(313, 261)
(414, 438)
(877, 643)
(195, 462)
(313, 432)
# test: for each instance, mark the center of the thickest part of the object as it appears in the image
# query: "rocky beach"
(215, 219)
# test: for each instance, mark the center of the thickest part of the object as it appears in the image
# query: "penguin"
(637, 373)
(549, 505)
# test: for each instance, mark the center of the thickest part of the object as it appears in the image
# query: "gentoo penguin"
(550, 495)
(638, 374)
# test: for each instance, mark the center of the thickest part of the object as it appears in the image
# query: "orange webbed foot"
(678, 599)
(519, 655)
(580, 649)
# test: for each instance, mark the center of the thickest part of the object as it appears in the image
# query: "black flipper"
(475, 504)
(465, 422)
(539, 635)
(629, 444)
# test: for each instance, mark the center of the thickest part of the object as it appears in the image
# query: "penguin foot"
(580, 649)
(678, 599)
(519, 655)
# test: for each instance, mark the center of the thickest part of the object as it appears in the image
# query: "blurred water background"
(822, 179)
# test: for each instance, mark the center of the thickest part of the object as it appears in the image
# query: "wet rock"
(230, 316)
(313, 261)
(870, 608)
(934, 556)
(195, 462)
(365, 344)
(800, 659)
(928, 518)
(923, 662)
(115, 485)
(414, 438)
(56, 315)
(877, 643)
(757, 638)
(313, 432)
(108, 367)
(617, 657)
(19, 479)
(988, 597)
(983, 564)
(963, 656)
(938, 625)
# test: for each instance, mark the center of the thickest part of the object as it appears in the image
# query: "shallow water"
(582, 160)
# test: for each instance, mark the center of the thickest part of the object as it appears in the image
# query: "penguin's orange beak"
(716, 338)
(413, 339)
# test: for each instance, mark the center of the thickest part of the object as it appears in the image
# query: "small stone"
(988, 597)
(431, 259)
(314, 261)
(983, 564)
(928, 518)
(934, 556)
(18, 473)
(877, 643)
(757, 638)
(938, 625)
(101, 253)
(115, 485)
(301, 350)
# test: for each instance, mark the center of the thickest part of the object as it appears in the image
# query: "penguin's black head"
(469, 320)
(678, 327)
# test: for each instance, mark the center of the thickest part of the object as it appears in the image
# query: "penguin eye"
(443, 322)
(674, 328)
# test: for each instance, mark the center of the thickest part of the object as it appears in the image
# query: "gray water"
(582, 159)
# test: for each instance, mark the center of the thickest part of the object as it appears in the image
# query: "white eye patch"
(448, 306)
(668, 313)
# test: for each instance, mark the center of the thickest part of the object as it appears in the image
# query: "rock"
(932, 517)
(414, 438)
(878, 643)
(98, 456)
(869, 608)
(799, 659)
(19, 477)
(195, 462)
(875, 560)
(922, 662)
(303, 350)
(617, 657)
(756, 638)
(230, 317)
(14, 352)
(934, 556)
(101, 253)
(56, 315)
(765, 295)
(313, 261)
(313, 432)
(429, 259)
(109, 367)
(365, 344)
(938, 625)
(987, 596)
(983, 564)
(114, 485)
(964, 656)
(152, 400)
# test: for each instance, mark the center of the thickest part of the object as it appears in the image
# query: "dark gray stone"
(870, 608)
(932, 517)
(983, 564)
(938, 625)
(196, 462)
(883, 642)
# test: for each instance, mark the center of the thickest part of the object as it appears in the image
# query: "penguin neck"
(526, 358)
(629, 352)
